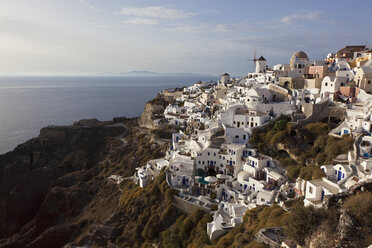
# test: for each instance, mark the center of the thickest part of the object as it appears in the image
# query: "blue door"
(346, 131)
(268, 164)
(231, 162)
(339, 176)
(183, 181)
(322, 195)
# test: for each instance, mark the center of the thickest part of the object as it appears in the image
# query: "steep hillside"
(54, 191)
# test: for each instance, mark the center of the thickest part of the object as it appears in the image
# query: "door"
(339, 174)
(183, 181)
(322, 195)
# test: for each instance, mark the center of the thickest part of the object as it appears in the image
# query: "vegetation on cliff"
(300, 150)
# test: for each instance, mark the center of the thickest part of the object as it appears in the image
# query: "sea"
(29, 103)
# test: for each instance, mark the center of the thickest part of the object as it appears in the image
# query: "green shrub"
(301, 222)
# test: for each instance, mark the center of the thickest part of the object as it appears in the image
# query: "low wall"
(277, 236)
(188, 207)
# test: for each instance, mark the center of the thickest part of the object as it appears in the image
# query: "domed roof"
(298, 55)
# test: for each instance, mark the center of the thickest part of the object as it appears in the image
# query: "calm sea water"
(29, 103)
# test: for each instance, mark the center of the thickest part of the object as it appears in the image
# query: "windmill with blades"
(259, 65)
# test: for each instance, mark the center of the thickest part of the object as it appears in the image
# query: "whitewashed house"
(330, 86)
(365, 147)
(317, 189)
(338, 173)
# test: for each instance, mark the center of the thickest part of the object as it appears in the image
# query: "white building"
(147, 173)
(339, 172)
(261, 65)
(330, 85)
(317, 189)
(225, 78)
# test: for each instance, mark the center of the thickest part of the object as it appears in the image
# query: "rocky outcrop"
(50, 185)
(283, 147)
(153, 110)
(148, 115)
(346, 226)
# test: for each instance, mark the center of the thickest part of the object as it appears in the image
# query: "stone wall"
(188, 207)
(320, 111)
(271, 237)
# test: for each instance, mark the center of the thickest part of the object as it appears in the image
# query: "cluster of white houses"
(211, 158)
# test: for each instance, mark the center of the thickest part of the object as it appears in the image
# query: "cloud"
(189, 28)
(97, 25)
(235, 27)
(306, 15)
(211, 11)
(86, 3)
(157, 12)
(141, 21)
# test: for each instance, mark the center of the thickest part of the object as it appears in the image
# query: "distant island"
(144, 73)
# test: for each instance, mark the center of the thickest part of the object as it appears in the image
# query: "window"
(262, 200)
(199, 162)
(310, 189)
(369, 81)
(236, 136)
(326, 84)
(209, 154)
(203, 162)
(214, 154)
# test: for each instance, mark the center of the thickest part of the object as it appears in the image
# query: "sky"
(84, 37)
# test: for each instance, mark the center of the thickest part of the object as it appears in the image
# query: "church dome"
(299, 55)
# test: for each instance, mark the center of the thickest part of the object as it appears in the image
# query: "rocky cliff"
(54, 188)
(154, 109)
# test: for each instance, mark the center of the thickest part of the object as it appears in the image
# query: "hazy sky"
(201, 36)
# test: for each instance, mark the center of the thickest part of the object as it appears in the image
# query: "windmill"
(253, 60)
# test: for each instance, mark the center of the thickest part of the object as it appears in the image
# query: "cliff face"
(49, 184)
(148, 116)
(54, 189)
(153, 110)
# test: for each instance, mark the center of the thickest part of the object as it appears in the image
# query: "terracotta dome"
(298, 55)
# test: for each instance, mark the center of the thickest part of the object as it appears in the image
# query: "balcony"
(244, 159)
